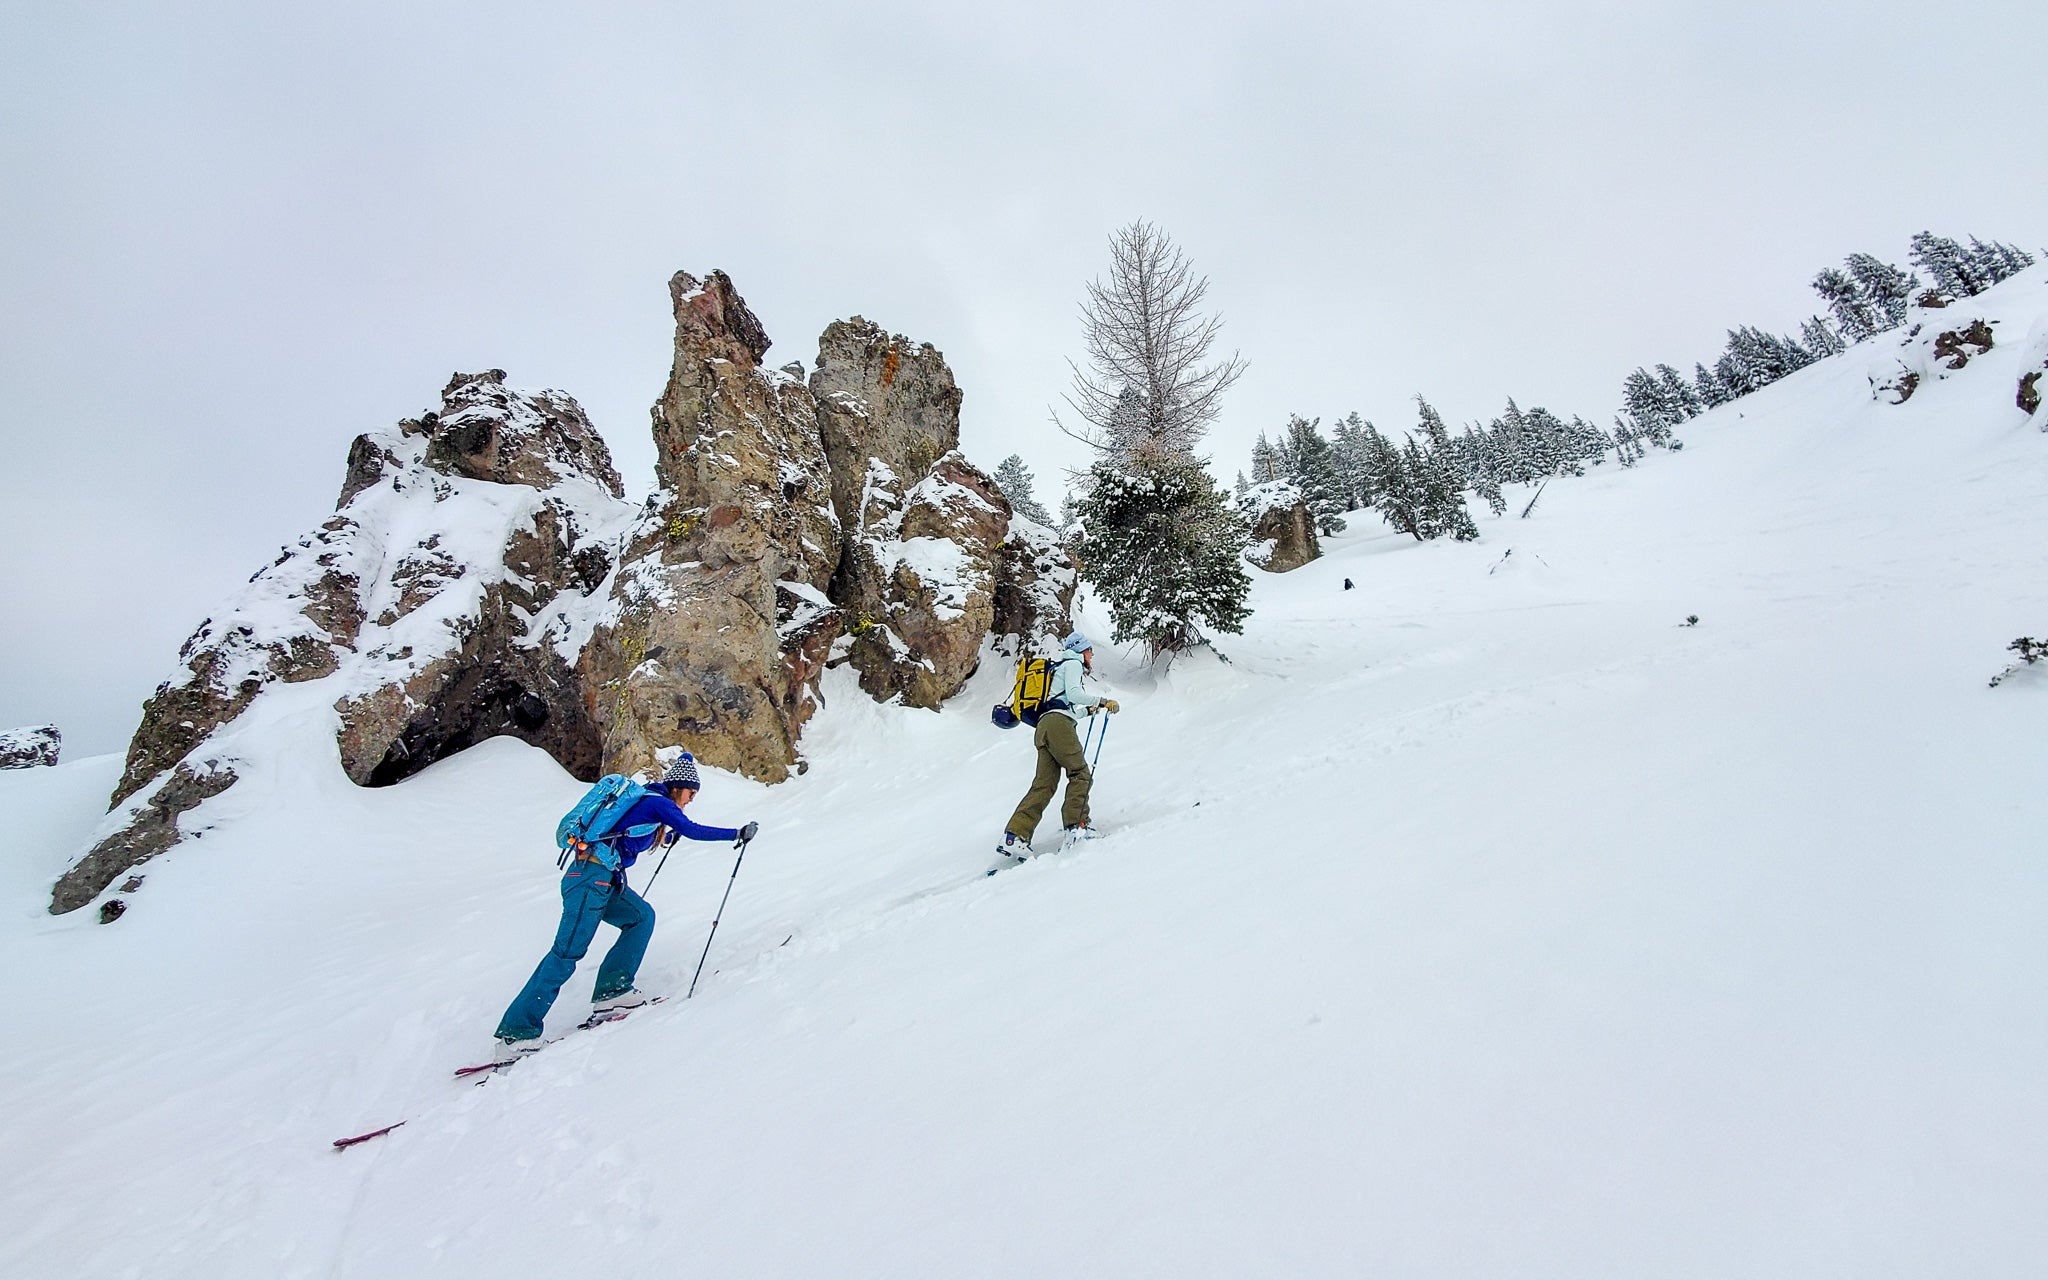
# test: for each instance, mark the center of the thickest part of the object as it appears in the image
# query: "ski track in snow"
(1482, 920)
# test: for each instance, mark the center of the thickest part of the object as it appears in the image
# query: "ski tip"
(464, 1073)
(343, 1144)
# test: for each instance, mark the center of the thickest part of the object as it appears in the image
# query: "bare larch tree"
(1145, 388)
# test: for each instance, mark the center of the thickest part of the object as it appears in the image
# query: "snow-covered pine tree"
(1162, 551)
(1985, 264)
(1513, 447)
(1436, 437)
(1397, 481)
(1590, 443)
(1888, 289)
(1819, 339)
(1242, 487)
(1443, 511)
(1846, 300)
(1712, 392)
(1679, 396)
(1558, 445)
(1312, 465)
(1486, 477)
(1643, 400)
(1349, 443)
(1624, 443)
(1015, 482)
(1733, 373)
(1945, 262)
(1069, 513)
(1265, 461)
(2013, 261)
(1437, 478)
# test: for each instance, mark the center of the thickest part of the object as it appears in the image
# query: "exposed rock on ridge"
(446, 597)
(30, 748)
(482, 575)
(1283, 527)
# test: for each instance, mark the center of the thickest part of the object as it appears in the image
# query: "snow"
(1267, 495)
(1484, 920)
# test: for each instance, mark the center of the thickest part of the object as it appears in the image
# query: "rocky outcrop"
(30, 748)
(482, 575)
(881, 398)
(719, 621)
(1954, 347)
(1035, 581)
(1283, 527)
(920, 581)
(151, 828)
(1931, 349)
(442, 603)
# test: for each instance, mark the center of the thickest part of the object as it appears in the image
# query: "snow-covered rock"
(1035, 581)
(30, 747)
(483, 575)
(921, 582)
(444, 602)
(1937, 341)
(714, 635)
(1283, 527)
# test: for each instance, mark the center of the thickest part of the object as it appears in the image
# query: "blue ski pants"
(588, 898)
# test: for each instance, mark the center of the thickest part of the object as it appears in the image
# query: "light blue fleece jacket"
(1067, 670)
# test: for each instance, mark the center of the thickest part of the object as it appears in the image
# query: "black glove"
(747, 832)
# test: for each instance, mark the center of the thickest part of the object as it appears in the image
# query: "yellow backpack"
(1027, 695)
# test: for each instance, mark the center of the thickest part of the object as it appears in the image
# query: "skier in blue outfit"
(592, 894)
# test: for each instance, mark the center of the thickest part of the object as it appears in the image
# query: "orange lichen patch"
(720, 517)
(892, 360)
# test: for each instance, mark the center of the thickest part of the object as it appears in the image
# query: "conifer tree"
(1644, 400)
(1845, 298)
(1679, 397)
(1887, 289)
(1379, 468)
(1162, 551)
(1312, 466)
(1265, 461)
(1712, 392)
(1242, 487)
(1442, 499)
(1511, 433)
(1069, 513)
(1015, 482)
(1818, 338)
(1945, 262)
(1146, 387)
(1348, 442)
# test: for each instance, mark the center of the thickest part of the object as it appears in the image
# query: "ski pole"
(666, 845)
(715, 919)
(1090, 737)
(1099, 740)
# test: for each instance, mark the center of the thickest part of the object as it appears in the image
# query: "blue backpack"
(588, 828)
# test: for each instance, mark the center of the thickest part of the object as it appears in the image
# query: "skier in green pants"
(1058, 740)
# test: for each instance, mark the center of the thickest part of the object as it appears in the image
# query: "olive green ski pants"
(1059, 747)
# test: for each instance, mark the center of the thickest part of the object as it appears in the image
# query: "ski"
(343, 1144)
(484, 1070)
(594, 1020)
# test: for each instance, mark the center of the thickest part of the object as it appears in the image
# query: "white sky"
(234, 236)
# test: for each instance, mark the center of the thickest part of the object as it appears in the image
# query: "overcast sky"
(232, 236)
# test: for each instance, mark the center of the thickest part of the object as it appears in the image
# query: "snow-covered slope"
(1484, 920)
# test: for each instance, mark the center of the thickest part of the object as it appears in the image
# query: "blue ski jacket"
(657, 807)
